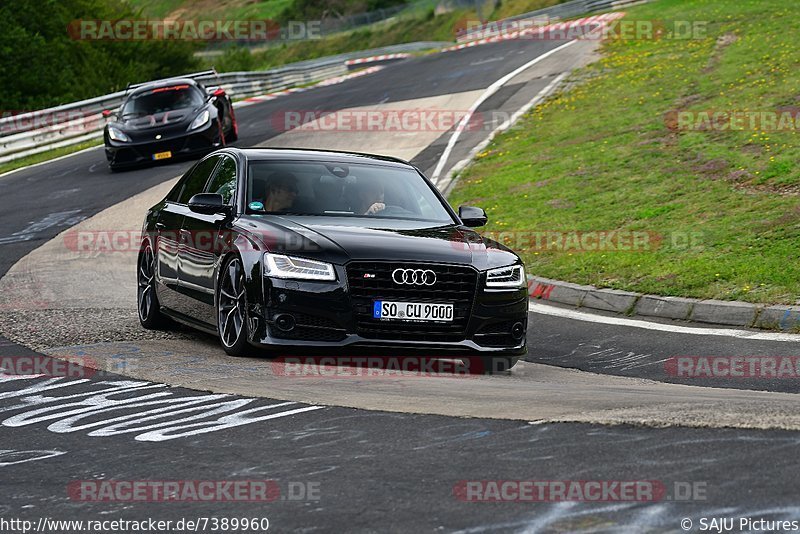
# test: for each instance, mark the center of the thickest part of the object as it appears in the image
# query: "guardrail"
(31, 133)
(35, 132)
(573, 8)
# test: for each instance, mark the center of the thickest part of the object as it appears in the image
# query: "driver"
(369, 198)
(280, 192)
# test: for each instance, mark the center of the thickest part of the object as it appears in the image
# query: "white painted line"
(447, 182)
(576, 315)
(492, 89)
(65, 156)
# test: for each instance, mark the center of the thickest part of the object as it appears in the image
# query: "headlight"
(512, 276)
(118, 135)
(280, 266)
(200, 120)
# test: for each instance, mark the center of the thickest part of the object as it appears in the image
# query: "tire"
(492, 365)
(223, 141)
(231, 299)
(233, 134)
(149, 309)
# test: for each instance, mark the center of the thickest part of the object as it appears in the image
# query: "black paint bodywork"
(188, 276)
(174, 136)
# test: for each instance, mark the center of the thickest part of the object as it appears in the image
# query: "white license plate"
(412, 311)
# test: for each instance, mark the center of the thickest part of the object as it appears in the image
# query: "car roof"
(307, 154)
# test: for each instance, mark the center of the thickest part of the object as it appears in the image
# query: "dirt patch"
(740, 176)
(751, 148)
(527, 186)
(712, 168)
(560, 204)
(790, 217)
(762, 189)
(688, 100)
(723, 42)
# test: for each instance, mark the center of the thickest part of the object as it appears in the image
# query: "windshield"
(162, 99)
(335, 189)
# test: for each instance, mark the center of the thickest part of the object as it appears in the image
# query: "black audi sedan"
(168, 119)
(291, 248)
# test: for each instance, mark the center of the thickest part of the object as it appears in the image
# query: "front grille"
(454, 284)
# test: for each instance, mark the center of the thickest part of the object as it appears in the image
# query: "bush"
(43, 66)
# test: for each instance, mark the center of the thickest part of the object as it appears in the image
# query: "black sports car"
(169, 119)
(287, 248)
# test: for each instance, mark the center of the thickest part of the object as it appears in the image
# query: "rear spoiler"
(202, 74)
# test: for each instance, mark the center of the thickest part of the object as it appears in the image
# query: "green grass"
(509, 8)
(199, 9)
(46, 156)
(422, 27)
(601, 157)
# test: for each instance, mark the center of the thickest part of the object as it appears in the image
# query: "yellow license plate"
(162, 155)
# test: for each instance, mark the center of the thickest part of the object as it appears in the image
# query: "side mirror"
(472, 217)
(219, 92)
(107, 113)
(208, 204)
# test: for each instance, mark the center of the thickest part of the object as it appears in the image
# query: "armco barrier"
(24, 134)
(30, 133)
(573, 8)
(69, 124)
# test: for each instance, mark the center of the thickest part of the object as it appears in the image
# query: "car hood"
(335, 240)
(168, 119)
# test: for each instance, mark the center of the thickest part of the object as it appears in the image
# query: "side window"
(224, 181)
(175, 193)
(196, 181)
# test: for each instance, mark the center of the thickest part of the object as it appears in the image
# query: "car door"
(167, 236)
(202, 241)
(169, 228)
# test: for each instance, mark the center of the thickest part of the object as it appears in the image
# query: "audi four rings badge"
(417, 277)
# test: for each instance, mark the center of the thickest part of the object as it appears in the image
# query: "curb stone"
(730, 313)
(779, 317)
(669, 307)
(612, 300)
(723, 312)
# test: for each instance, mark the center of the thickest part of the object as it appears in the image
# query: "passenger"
(281, 191)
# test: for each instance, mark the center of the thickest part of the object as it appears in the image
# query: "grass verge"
(719, 206)
(426, 27)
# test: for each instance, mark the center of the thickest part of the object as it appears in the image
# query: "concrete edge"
(708, 311)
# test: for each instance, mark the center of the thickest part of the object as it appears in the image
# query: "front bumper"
(196, 143)
(325, 315)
